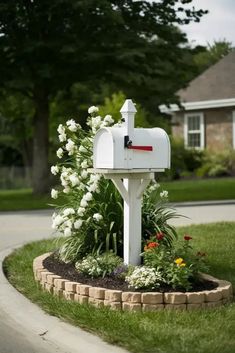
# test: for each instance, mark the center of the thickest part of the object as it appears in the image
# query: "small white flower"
(81, 211)
(68, 211)
(78, 224)
(82, 149)
(58, 220)
(84, 174)
(164, 194)
(93, 109)
(84, 164)
(88, 196)
(54, 193)
(83, 203)
(98, 217)
(93, 187)
(62, 137)
(74, 179)
(60, 153)
(66, 190)
(54, 169)
(108, 119)
(67, 232)
(61, 129)
(70, 145)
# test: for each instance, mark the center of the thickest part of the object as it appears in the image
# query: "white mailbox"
(129, 156)
(126, 147)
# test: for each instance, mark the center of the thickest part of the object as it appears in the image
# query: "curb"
(35, 323)
(202, 203)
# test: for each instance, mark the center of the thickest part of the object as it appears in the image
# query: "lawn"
(202, 331)
(200, 190)
(186, 190)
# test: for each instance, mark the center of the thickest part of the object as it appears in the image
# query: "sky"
(218, 24)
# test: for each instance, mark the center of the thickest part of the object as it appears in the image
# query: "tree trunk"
(40, 142)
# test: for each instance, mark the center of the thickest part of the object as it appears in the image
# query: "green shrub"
(218, 164)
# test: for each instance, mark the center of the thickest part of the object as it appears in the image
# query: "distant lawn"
(201, 331)
(182, 190)
(22, 199)
(200, 190)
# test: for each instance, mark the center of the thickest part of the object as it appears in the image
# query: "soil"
(68, 271)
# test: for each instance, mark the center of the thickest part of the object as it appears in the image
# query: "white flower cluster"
(66, 221)
(144, 277)
(154, 186)
(164, 194)
(75, 177)
(89, 266)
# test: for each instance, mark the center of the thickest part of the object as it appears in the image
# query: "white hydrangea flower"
(164, 194)
(87, 196)
(83, 203)
(70, 146)
(62, 137)
(108, 119)
(94, 178)
(60, 153)
(67, 232)
(82, 149)
(84, 164)
(61, 129)
(93, 187)
(93, 109)
(54, 193)
(84, 174)
(54, 169)
(66, 190)
(81, 211)
(74, 179)
(72, 125)
(78, 224)
(68, 211)
(57, 221)
(98, 217)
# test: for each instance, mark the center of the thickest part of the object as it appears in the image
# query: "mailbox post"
(129, 157)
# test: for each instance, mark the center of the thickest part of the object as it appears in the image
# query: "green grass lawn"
(202, 331)
(200, 190)
(186, 190)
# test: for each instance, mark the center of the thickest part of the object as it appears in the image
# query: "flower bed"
(131, 301)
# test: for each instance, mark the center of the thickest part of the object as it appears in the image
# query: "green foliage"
(218, 164)
(98, 266)
(183, 160)
(178, 263)
(209, 55)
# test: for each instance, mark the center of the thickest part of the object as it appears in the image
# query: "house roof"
(216, 83)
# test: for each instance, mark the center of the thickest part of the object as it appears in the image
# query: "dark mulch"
(68, 271)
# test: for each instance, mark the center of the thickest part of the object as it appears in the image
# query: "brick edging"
(131, 301)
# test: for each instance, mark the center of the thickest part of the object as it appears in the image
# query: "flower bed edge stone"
(131, 301)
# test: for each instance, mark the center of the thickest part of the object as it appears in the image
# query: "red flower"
(187, 237)
(153, 244)
(159, 236)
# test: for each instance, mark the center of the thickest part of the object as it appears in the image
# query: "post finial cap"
(128, 107)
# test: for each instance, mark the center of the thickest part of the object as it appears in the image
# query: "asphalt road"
(24, 328)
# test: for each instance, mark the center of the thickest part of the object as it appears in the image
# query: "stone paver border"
(131, 301)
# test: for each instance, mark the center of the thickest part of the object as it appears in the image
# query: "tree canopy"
(47, 46)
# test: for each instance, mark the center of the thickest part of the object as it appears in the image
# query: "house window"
(194, 130)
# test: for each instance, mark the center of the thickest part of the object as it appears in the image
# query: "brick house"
(207, 119)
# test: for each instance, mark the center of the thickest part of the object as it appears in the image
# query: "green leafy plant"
(99, 266)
